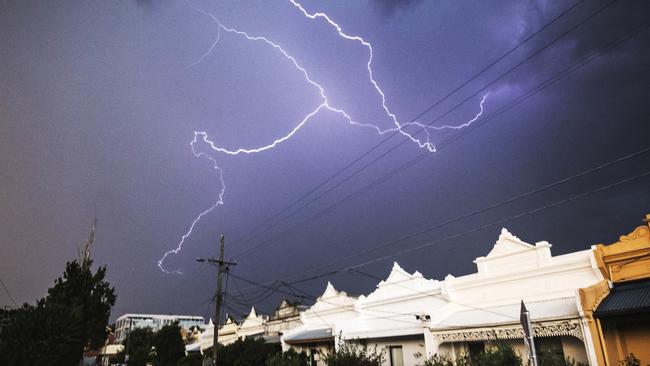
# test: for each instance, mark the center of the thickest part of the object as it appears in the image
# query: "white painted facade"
(485, 305)
(287, 316)
(319, 329)
(228, 333)
(253, 326)
(460, 313)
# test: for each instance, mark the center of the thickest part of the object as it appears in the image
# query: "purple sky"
(98, 107)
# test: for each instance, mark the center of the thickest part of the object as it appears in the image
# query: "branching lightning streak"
(399, 127)
(179, 247)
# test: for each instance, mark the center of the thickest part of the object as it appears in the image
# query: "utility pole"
(223, 267)
(529, 334)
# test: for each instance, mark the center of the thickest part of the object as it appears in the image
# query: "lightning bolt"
(324, 105)
(187, 234)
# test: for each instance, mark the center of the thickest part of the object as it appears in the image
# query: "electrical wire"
(478, 228)
(345, 307)
(489, 207)
(529, 57)
(550, 81)
(8, 292)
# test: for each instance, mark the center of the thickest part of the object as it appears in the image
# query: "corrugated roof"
(310, 335)
(626, 298)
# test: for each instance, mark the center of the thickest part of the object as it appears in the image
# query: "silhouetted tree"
(169, 347)
(245, 352)
(72, 316)
(192, 359)
(137, 345)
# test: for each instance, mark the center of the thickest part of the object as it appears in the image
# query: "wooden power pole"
(223, 267)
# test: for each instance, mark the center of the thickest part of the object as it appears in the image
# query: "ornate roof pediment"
(508, 244)
(511, 254)
(332, 298)
(400, 283)
(253, 319)
(397, 274)
(330, 291)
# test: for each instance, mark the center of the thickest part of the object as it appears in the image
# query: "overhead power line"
(278, 215)
(490, 207)
(478, 228)
(548, 82)
(440, 146)
(632, 33)
(392, 314)
(8, 293)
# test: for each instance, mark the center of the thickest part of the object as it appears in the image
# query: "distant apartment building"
(128, 322)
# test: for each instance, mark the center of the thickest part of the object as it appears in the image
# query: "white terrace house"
(484, 306)
(227, 335)
(253, 326)
(286, 316)
(408, 315)
(319, 327)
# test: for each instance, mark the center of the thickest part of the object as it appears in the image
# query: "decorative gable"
(331, 299)
(400, 283)
(329, 292)
(253, 319)
(510, 254)
(397, 274)
(508, 244)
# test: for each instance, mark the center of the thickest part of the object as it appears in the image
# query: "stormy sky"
(99, 101)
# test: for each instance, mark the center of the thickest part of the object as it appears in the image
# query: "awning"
(309, 336)
(626, 298)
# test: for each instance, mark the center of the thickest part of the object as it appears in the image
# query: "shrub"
(354, 354)
(553, 359)
(192, 359)
(289, 358)
(439, 360)
(631, 360)
(502, 354)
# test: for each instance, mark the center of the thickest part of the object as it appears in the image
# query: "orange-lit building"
(617, 310)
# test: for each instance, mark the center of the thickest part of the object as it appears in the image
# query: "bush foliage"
(351, 353)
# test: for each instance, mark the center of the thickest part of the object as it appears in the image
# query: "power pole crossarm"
(222, 268)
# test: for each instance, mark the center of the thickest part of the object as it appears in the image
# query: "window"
(475, 348)
(313, 356)
(396, 356)
(546, 345)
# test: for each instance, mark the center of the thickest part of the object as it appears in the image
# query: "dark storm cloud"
(389, 7)
(94, 109)
(601, 34)
(598, 31)
(145, 3)
(621, 18)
